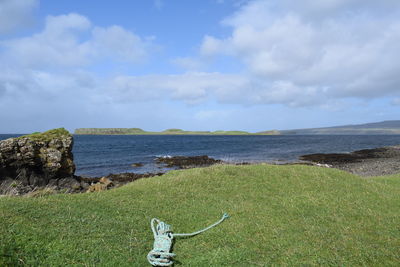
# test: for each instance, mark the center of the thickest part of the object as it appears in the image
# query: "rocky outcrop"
(356, 156)
(38, 160)
(102, 185)
(366, 162)
(182, 162)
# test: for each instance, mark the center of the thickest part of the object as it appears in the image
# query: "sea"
(100, 155)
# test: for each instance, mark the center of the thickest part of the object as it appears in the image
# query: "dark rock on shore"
(37, 160)
(356, 156)
(366, 162)
(137, 164)
(120, 177)
(96, 184)
(182, 162)
(243, 163)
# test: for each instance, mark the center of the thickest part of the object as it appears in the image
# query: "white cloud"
(291, 56)
(120, 44)
(192, 87)
(58, 44)
(211, 46)
(320, 9)
(296, 54)
(36, 84)
(263, 10)
(188, 63)
(15, 13)
(199, 87)
(50, 74)
(72, 41)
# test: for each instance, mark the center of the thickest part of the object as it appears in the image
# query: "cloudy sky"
(198, 65)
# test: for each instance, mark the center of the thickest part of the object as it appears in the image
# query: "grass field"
(280, 215)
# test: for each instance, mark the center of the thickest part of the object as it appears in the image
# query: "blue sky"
(198, 65)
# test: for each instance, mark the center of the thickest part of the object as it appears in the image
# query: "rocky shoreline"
(366, 163)
(182, 162)
(44, 162)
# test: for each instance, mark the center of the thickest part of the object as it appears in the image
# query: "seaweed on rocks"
(183, 162)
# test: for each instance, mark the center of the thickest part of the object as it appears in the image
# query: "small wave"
(164, 156)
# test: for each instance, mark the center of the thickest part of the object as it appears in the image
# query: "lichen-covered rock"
(35, 160)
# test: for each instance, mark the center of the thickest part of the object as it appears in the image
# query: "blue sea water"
(103, 154)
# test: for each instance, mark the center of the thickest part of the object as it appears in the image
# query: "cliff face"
(38, 159)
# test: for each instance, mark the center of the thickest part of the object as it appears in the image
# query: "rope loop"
(160, 255)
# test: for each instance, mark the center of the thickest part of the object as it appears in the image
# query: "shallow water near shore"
(99, 155)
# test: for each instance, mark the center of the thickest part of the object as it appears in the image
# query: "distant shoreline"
(138, 131)
(376, 128)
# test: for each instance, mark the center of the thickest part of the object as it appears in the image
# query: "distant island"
(376, 128)
(138, 131)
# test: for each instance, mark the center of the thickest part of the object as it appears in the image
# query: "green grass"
(280, 216)
(47, 136)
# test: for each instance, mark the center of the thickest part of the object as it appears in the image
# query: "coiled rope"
(160, 255)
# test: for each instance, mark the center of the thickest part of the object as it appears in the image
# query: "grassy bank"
(48, 135)
(282, 215)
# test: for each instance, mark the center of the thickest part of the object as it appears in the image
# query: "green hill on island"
(280, 216)
(376, 128)
(138, 131)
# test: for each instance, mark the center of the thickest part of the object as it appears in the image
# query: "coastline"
(365, 163)
(380, 161)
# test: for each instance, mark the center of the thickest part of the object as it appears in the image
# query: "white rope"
(160, 255)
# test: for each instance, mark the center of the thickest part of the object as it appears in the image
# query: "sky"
(251, 65)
